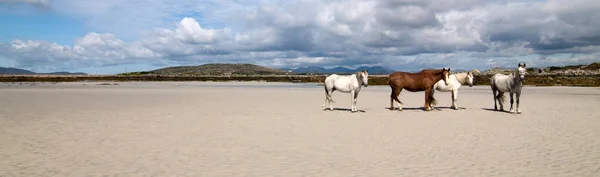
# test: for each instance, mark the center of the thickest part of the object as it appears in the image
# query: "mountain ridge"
(219, 69)
(338, 70)
(11, 70)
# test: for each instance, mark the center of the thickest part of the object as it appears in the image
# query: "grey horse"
(512, 83)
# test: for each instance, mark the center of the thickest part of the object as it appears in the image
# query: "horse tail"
(432, 100)
(502, 98)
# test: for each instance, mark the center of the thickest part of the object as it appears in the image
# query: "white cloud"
(329, 33)
(91, 50)
(41, 3)
(190, 31)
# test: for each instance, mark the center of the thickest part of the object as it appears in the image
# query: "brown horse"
(414, 82)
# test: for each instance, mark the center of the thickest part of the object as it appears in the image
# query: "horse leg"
(511, 101)
(355, 98)
(454, 98)
(392, 98)
(330, 100)
(398, 100)
(326, 98)
(427, 96)
(431, 105)
(500, 98)
(495, 97)
(518, 98)
(352, 100)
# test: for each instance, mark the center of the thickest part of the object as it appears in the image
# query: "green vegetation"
(593, 66)
(218, 69)
(141, 73)
(480, 79)
(236, 72)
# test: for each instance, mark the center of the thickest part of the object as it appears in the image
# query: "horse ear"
(524, 65)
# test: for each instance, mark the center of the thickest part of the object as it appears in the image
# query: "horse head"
(364, 76)
(470, 78)
(445, 73)
(521, 70)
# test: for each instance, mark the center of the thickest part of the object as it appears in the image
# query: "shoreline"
(534, 80)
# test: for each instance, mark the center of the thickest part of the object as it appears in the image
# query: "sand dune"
(272, 129)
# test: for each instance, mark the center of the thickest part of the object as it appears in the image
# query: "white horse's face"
(522, 71)
(470, 79)
(365, 78)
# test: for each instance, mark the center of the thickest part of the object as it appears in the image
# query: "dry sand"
(274, 129)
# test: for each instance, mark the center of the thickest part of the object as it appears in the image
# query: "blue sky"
(114, 36)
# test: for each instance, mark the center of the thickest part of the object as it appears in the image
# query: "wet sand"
(275, 129)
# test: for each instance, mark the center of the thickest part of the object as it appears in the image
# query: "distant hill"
(590, 67)
(338, 70)
(10, 70)
(64, 73)
(570, 70)
(218, 69)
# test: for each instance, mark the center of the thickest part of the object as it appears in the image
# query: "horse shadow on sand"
(437, 108)
(493, 110)
(344, 109)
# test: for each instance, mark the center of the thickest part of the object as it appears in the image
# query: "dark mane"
(432, 71)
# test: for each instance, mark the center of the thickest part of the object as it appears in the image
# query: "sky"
(115, 36)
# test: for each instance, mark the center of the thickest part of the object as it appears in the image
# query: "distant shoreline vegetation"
(578, 75)
(480, 79)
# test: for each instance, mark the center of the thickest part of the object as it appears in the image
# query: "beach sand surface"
(277, 129)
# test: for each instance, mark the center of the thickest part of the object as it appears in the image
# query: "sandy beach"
(278, 129)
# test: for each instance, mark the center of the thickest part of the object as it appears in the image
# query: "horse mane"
(432, 70)
(359, 77)
(514, 74)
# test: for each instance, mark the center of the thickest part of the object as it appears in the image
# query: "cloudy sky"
(114, 36)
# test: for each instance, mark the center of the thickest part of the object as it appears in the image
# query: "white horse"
(346, 84)
(454, 82)
(512, 83)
